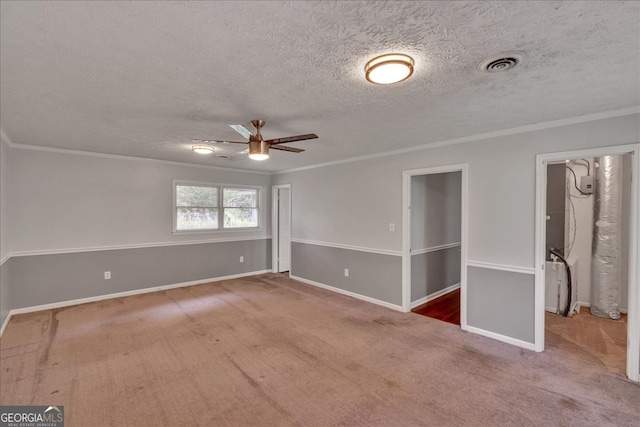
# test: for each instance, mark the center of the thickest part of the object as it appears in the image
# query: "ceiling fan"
(258, 146)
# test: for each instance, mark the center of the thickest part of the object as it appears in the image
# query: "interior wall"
(433, 274)
(435, 210)
(556, 208)
(61, 201)
(583, 228)
(102, 213)
(352, 203)
(4, 161)
(626, 218)
(5, 304)
(52, 278)
(369, 273)
(435, 222)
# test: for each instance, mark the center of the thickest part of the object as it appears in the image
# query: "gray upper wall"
(60, 201)
(353, 203)
(435, 209)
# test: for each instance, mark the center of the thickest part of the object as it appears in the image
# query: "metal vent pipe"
(607, 238)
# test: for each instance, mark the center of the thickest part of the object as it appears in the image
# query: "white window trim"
(221, 187)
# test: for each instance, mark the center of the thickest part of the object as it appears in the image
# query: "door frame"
(406, 233)
(633, 310)
(275, 225)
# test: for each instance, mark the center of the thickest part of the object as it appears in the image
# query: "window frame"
(220, 189)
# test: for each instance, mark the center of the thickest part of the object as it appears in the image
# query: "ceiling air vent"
(502, 62)
(224, 156)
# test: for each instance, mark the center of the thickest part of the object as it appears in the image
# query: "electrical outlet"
(107, 275)
(392, 227)
(241, 259)
(346, 272)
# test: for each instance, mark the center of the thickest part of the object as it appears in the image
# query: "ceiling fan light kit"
(389, 68)
(202, 149)
(258, 150)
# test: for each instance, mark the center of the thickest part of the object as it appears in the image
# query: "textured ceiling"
(143, 78)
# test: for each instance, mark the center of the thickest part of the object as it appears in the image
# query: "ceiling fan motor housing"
(258, 146)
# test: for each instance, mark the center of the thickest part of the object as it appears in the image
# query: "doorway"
(434, 242)
(587, 255)
(281, 228)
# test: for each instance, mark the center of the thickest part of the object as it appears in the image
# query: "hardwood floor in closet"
(445, 308)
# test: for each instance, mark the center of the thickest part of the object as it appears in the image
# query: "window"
(240, 207)
(207, 207)
(196, 207)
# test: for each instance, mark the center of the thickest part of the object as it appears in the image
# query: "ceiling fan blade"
(204, 141)
(285, 148)
(217, 141)
(291, 139)
(241, 130)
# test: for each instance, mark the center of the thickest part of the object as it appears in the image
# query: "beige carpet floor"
(270, 351)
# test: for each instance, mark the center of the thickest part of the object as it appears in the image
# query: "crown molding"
(10, 144)
(505, 132)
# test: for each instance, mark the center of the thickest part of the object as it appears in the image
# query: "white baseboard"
(435, 295)
(123, 294)
(575, 308)
(5, 323)
(348, 293)
(587, 304)
(499, 337)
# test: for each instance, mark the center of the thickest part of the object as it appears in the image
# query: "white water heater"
(556, 290)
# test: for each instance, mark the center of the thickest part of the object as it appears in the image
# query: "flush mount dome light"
(202, 149)
(389, 68)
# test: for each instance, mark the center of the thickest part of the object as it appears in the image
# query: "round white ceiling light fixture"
(202, 149)
(388, 69)
(504, 61)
